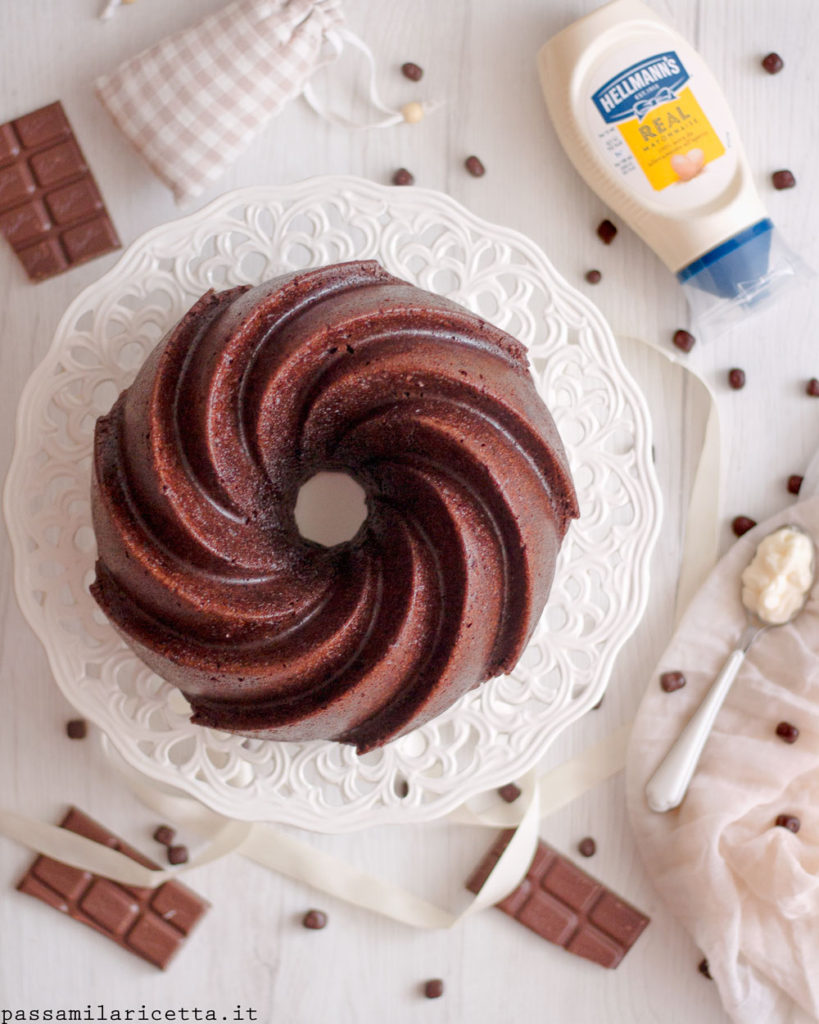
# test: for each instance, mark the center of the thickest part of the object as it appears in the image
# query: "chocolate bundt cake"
(198, 465)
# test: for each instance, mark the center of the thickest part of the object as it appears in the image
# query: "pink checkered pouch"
(194, 101)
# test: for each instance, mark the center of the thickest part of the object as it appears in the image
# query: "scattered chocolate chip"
(742, 524)
(787, 732)
(812, 387)
(76, 729)
(788, 821)
(704, 969)
(475, 166)
(783, 179)
(606, 231)
(736, 378)
(795, 483)
(403, 177)
(671, 681)
(165, 835)
(594, 276)
(510, 792)
(684, 340)
(414, 72)
(587, 847)
(315, 920)
(773, 63)
(434, 988)
(178, 854)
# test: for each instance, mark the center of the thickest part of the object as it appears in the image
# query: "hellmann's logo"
(633, 92)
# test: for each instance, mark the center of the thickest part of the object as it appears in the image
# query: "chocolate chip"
(812, 387)
(587, 847)
(671, 681)
(788, 821)
(315, 920)
(704, 969)
(787, 732)
(606, 231)
(510, 792)
(684, 340)
(403, 177)
(795, 483)
(736, 378)
(783, 179)
(165, 835)
(475, 166)
(414, 72)
(594, 276)
(434, 988)
(76, 729)
(599, 704)
(178, 854)
(773, 63)
(742, 524)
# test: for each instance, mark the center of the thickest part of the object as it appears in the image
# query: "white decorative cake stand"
(493, 734)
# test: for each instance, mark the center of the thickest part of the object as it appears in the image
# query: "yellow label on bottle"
(673, 141)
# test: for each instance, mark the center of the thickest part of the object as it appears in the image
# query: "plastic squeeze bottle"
(646, 124)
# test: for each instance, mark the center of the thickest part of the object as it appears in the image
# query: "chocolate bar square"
(41, 126)
(66, 881)
(110, 906)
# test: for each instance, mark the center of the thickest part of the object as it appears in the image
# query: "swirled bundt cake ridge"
(197, 467)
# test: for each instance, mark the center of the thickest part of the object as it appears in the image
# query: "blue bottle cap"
(736, 266)
(745, 272)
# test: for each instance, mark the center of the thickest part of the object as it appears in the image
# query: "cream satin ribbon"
(109, 8)
(701, 538)
(701, 541)
(810, 482)
(282, 852)
(279, 851)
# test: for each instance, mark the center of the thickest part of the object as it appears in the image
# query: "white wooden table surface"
(479, 57)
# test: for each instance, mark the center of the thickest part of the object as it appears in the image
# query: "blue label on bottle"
(635, 91)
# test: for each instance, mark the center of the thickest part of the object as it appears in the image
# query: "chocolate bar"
(152, 923)
(51, 211)
(565, 905)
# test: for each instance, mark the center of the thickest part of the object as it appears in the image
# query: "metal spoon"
(669, 783)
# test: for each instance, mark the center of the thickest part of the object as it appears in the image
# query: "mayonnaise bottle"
(646, 124)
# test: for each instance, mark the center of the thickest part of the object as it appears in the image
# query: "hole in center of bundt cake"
(330, 508)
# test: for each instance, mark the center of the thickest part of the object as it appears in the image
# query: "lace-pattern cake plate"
(494, 733)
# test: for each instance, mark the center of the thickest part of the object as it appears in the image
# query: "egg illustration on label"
(688, 165)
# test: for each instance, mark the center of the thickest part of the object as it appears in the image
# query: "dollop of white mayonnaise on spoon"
(776, 582)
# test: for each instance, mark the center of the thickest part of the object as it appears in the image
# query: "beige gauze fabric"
(746, 890)
(193, 102)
